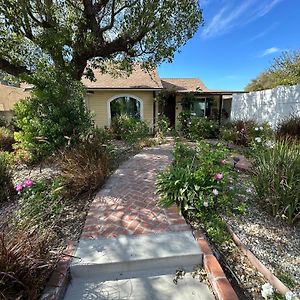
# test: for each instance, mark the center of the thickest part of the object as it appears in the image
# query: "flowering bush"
(197, 128)
(246, 133)
(40, 202)
(162, 126)
(277, 177)
(196, 182)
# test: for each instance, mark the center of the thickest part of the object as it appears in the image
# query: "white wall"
(268, 105)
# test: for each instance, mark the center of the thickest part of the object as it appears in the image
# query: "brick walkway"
(127, 203)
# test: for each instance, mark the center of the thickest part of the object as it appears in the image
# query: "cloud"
(233, 15)
(271, 50)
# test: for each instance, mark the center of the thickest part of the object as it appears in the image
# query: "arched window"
(125, 105)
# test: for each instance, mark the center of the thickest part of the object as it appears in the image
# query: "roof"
(184, 85)
(138, 79)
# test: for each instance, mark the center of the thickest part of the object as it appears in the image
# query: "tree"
(76, 36)
(285, 70)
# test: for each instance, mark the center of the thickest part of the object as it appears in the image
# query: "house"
(9, 95)
(137, 95)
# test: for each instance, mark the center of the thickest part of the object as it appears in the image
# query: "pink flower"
(222, 162)
(19, 187)
(219, 176)
(28, 182)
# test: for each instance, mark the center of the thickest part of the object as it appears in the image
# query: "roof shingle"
(184, 85)
(138, 79)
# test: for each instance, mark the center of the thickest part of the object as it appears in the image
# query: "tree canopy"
(285, 70)
(75, 36)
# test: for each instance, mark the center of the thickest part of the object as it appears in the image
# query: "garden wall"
(268, 105)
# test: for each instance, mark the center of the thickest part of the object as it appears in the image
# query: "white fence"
(267, 106)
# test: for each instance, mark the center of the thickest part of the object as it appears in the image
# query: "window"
(204, 107)
(125, 105)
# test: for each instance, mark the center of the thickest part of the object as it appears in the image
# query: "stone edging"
(216, 276)
(57, 284)
(274, 281)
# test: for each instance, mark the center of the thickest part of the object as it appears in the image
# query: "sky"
(239, 40)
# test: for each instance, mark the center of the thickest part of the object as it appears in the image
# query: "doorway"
(169, 109)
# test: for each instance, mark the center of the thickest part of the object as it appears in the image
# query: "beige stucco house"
(136, 95)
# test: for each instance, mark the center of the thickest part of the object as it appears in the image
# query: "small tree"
(53, 113)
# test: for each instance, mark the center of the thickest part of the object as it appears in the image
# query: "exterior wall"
(9, 95)
(97, 103)
(267, 106)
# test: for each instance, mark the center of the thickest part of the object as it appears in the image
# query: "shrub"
(84, 167)
(25, 262)
(203, 128)
(289, 128)
(162, 126)
(6, 139)
(246, 132)
(193, 183)
(196, 182)
(197, 128)
(54, 112)
(39, 202)
(3, 122)
(277, 177)
(129, 129)
(6, 186)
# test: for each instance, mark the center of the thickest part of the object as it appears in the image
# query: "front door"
(169, 109)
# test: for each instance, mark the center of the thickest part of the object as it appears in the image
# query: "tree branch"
(15, 70)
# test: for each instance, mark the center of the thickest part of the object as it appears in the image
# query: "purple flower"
(19, 187)
(219, 176)
(222, 162)
(28, 182)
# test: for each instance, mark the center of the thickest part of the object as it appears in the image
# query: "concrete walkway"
(130, 247)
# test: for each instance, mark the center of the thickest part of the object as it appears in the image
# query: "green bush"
(289, 128)
(197, 183)
(162, 126)
(84, 167)
(277, 177)
(6, 139)
(193, 182)
(39, 202)
(3, 122)
(53, 113)
(198, 128)
(6, 186)
(129, 129)
(246, 132)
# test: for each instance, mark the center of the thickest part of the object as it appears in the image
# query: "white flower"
(289, 295)
(205, 204)
(267, 290)
(249, 190)
(215, 192)
(270, 144)
(256, 129)
(261, 128)
(211, 126)
(258, 139)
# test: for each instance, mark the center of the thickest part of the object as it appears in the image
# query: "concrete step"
(142, 288)
(130, 256)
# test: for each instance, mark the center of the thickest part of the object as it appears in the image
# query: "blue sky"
(239, 39)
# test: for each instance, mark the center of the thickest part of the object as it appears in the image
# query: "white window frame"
(124, 95)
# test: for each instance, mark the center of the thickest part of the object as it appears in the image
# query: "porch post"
(220, 109)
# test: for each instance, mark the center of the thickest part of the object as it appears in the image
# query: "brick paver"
(127, 203)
